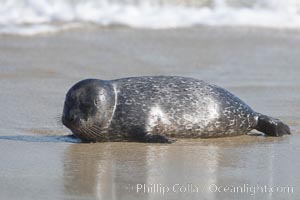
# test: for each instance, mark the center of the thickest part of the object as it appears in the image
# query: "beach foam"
(47, 16)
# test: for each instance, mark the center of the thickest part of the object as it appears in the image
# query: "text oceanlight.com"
(250, 189)
(247, 189)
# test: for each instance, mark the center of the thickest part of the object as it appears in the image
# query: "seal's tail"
(272, 126)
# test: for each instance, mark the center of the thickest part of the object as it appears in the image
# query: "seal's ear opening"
(96, 102)
(272, 126)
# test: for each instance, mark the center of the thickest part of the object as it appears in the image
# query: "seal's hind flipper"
(149, 138)
(272, 126)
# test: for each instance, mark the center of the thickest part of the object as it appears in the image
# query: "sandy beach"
(261, 66)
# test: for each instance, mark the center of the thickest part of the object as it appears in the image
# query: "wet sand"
(38, 162)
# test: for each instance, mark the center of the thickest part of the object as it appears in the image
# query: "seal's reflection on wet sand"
(113, 170)
(104, 170)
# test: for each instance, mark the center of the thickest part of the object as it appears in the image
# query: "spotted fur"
(178, 107)
(156, 108)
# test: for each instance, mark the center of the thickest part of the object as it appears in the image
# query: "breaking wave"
(30, 17)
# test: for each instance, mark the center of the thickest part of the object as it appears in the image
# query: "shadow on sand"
(50, 138)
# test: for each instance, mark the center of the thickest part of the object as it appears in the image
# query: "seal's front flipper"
(149, 138)
(272, 126)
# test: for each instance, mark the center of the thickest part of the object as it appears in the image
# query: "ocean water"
(31, 17)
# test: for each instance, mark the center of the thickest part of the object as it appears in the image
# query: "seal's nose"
(68, 120)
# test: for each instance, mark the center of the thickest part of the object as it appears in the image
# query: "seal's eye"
(85, 108)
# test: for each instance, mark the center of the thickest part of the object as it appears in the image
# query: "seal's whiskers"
(87, 132)
(58, 119)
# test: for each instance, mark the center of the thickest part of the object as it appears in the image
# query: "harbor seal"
(159, 109)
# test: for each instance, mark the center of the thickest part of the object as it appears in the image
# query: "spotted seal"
(159, 108)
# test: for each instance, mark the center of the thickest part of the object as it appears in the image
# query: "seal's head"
(88, 108)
